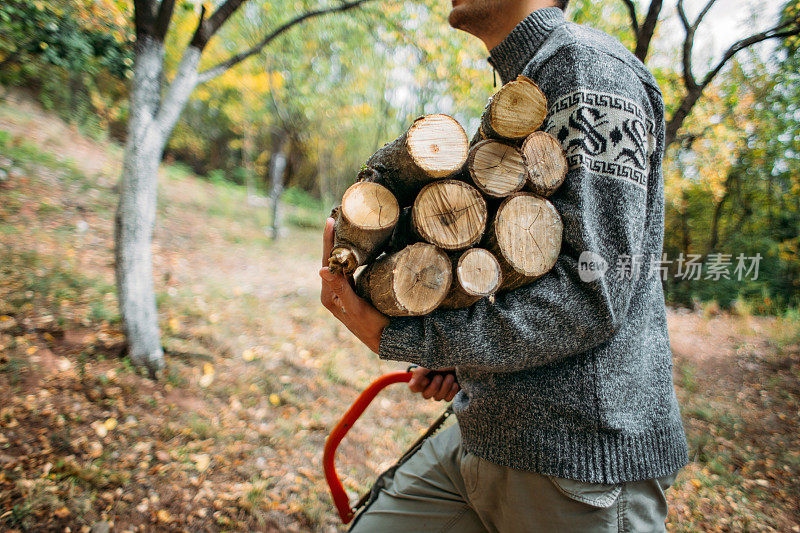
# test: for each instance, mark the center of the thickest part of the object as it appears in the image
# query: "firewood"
(450, 214)
(496, 168)
(364, 223)
(525, 236)
(546, 163)
(403, 233)
(435, 146)
(476, 274)
(515, 111)
(411, 282)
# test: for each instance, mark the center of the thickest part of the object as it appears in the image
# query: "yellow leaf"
(174, 325)
(31, 350)
(110, 424)
(274, 399)
(208, 369)
(206, 380)
(164, 516)
(201, 461)
(248, 355)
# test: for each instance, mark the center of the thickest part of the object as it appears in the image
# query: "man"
(567, 415)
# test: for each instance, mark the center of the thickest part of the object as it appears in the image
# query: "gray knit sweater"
(571, 376)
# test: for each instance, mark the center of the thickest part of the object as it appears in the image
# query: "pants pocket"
(597, 495)
(469, 471)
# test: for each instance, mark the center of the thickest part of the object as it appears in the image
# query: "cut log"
(403, 233)
(525, 236)
(515, 111)
(435, 146)
(450, 214)
(546, 163)
(476, 274)
(411, 282)
(496, 168)
(364, 224)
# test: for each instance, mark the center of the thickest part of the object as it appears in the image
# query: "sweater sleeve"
(600, 112)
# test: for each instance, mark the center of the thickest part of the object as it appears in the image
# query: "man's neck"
(519, 12)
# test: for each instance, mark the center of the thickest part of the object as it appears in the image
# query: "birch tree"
(155, 108)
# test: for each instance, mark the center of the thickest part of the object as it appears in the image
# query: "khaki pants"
(443, 487)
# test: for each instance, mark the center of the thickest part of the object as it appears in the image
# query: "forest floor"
(231, 436)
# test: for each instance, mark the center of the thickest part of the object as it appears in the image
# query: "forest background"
(256, 371)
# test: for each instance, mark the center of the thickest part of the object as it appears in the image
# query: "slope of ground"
(231, 437)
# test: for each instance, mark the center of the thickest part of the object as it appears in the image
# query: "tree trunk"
(546, 163)
(525, 236)
(277, 167)
(450, 214)
(435, 146)
(514, 112)
(496, 168)
(476, 274)
(136, 211)
(364, 224)
(411, 282)
(683, 111)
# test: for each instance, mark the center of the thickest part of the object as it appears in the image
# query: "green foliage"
(75, 54)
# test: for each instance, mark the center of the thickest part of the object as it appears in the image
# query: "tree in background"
(154, 111)
(694, 86)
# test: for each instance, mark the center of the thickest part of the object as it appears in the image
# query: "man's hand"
(341, 300)
(436, 388)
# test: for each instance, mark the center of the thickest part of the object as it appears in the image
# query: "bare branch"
(703, 13)
(634, 19)
(688, 48)
(647, 29)
(207, 28)
(163, 18)
(780, 31)
(221, 67)
(694, 92)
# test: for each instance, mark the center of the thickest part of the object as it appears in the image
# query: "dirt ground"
(231, 436)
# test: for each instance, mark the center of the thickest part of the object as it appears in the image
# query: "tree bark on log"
(525, 237)
(515, 111)
(496, 168)
(450, 214)
(476, 274)
(364, 224)
(546, 163)
(434, 147)
(411, 282)
(403, 233)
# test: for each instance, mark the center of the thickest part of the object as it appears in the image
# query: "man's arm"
(599, 111)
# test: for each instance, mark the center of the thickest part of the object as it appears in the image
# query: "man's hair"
(562, 3)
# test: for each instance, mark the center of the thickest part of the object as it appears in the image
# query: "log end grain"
(497, 169)
(515, 111)
(370, 206)
(478, 272)
(438, 145)
(546, 163)
(450, 214)
(363, 225)
(412, 282)
(526, 238)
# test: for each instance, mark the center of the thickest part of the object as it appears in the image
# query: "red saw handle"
(340, 498)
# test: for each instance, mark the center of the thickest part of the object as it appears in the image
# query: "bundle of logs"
(436, 221)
